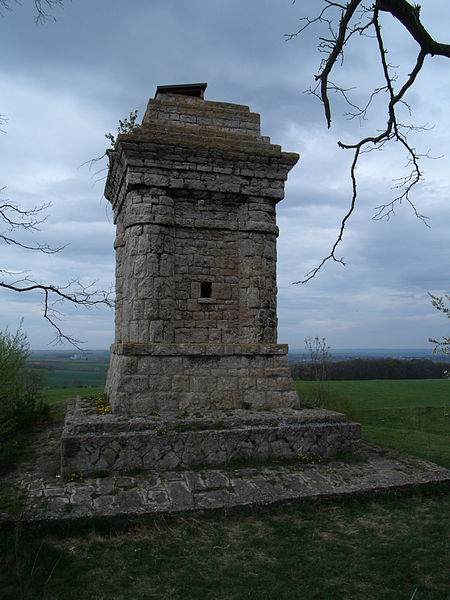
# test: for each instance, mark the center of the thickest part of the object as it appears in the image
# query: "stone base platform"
(48, 497)
(93, 443)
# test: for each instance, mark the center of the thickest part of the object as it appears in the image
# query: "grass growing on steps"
(21, 446)
(57, 399)
(412, 416)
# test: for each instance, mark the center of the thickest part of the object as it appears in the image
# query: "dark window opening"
(205, 289)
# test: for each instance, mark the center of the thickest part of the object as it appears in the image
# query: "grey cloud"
(66, 84)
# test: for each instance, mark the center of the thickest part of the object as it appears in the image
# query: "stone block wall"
(194, 192)
(161, 267)
(163, 378)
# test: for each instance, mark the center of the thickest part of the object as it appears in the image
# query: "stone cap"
(187, 142)
(179, 116)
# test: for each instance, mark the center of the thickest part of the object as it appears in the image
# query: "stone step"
(93, 443)
(203, 139)
(190, 111)
(367, 472)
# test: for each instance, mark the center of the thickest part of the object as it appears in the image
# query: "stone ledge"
(200, 349)
(81, 418)
(93, 443)
(157, 220)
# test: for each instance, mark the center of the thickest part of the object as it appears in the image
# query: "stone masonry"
(194, 191)
(106, 443)
(196, 375)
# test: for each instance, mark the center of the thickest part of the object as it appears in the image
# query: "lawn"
(412, 416)
(387, 548)
(58, 398)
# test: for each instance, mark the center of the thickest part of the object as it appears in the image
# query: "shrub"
(319, 356)
(20, 405)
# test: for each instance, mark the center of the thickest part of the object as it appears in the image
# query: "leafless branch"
(75, 292)
(43, 8)
(409, 17)
(99, 174)
(14, 218)
(343, 21)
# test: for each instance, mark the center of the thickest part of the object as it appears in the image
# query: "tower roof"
(186, 89)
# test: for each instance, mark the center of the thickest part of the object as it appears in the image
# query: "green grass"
(57, 399)
(412, 416)
(386, 548)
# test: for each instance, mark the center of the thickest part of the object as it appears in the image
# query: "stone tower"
(194, 192)
(196, 375)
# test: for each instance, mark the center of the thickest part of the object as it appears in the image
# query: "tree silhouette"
(16, 220)
(338, 23)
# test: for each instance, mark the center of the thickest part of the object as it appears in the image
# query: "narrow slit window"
(205, 289)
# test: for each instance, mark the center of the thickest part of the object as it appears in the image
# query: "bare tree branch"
(343, 21)
(43, 8)
(75, 292)
(16, 219)
(409, 17)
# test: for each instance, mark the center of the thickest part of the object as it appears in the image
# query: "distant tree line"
(373, 368)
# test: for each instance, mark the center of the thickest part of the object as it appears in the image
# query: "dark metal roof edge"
(181, 86)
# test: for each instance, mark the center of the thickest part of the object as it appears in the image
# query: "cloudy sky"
(66, 83)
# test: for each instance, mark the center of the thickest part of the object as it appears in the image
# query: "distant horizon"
(291, 349)
(294, 354)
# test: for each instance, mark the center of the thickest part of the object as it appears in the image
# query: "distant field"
(412, 416)
(66, 372)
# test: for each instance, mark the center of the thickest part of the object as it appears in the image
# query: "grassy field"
(64, 372)
(383, 549)
(388, 547)
(412, 416)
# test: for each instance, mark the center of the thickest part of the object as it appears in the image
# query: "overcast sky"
(66, 83)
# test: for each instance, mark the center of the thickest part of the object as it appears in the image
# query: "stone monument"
(194, 192)
(196, 373)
